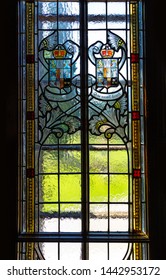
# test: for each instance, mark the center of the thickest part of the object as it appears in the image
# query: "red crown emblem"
(106, 51)
(59, 52)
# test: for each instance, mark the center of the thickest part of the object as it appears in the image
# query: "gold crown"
(59, 52)
(106, 51)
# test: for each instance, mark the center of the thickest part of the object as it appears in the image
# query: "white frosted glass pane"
(98, 217)
(118, 217)
(49, 250)
(98, 251)
(98, 224)
(101, 36)
(70, 251)
(117, 251)
(48, 224)
(70, 225)
(70, 217)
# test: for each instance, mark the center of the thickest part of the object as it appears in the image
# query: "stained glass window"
(83, 187)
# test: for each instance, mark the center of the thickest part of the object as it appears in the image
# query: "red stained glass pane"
(136, 173)
(134, 58)
(136, 115)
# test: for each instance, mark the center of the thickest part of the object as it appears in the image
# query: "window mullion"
(84, 126)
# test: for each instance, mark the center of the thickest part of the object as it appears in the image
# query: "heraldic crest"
(59, 87)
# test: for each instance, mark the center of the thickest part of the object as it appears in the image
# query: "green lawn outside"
(70, 184)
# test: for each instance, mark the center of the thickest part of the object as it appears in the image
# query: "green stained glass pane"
(118, 188)
(49, 191)
(48, 209)
(70, 187)
(98, 188)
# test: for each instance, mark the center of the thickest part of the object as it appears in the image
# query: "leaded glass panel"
(83, 164)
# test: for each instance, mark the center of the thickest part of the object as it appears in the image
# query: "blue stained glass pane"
(140, 15)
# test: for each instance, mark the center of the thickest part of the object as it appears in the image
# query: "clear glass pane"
(118, 162)
(68, 15)
(96, 15)
(101, 36)
(70, 161)
(97, 140)
(117, 14)
(98, 161)
(47, 15)
(73, 35)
